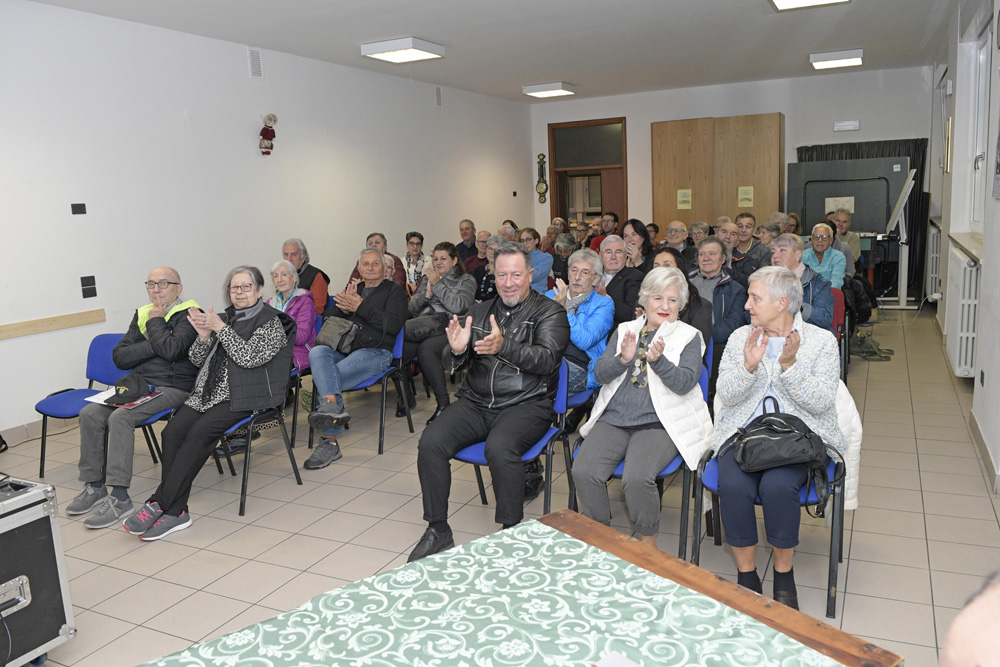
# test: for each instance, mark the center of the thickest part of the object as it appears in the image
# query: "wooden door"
(683, 160)
(750, 152)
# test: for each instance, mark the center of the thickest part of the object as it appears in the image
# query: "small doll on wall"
(267, 134)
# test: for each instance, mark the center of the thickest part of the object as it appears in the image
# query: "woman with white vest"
(650, 407)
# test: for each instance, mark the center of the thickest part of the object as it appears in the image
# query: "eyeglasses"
(673, 230)
(821, 237)
(415, 243)
(527, 239)
(162, 284)
(245, 287)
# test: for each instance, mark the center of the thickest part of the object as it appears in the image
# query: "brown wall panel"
(614, 196)
(749, 151)
(683, 158)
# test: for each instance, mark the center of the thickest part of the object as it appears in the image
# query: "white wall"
(891, 104)
(156, 131)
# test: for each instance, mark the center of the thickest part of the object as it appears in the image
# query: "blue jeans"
(333, 372)
(576, 379)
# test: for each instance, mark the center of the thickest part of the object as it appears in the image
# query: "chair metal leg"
(315, 402)
(246, 469)
(291, 455)
(41, 463)
(381, 415)
(408, 378)
(147, 431)
(547, 503)
(215, 455)
(836, 541)
(482, 487)
(699, 505)
(685, 510)
(295, 408)
(716, 520)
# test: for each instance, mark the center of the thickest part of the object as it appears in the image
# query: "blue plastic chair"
(708, 478)
(149, 434)
(476, 454)
(67, 403)
(574, 401)
(394, 370)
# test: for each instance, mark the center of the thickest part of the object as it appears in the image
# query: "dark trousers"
(778, 489)
(508, 434)
(188, 441)
(429, 352)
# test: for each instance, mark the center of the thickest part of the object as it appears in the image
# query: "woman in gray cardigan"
(781, 356)
(445, 290)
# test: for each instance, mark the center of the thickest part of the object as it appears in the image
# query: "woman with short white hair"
(649, 409)
(781, 356)
(299, 305)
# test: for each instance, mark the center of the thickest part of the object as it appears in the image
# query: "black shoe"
(410, 398)
(432, 542)
(327, 414)
(437, 413)
(787, 598)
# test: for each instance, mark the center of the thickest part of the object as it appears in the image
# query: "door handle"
(979, 158)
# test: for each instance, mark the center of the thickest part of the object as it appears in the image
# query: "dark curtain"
(917, 210)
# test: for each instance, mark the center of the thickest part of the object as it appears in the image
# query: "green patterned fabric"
(530, 595)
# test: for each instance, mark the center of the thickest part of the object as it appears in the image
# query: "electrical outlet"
(78, 209)
(89, 286)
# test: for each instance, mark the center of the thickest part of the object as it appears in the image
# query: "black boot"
(401, 389)
(440, 408)
(577, 415)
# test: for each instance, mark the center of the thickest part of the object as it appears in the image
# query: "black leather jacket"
(536, 334)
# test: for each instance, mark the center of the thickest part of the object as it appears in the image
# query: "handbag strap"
(774, 402)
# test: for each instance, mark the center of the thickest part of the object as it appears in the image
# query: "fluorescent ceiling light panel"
(782, 5)
(554, 89)
(405, 50)
(851, 58)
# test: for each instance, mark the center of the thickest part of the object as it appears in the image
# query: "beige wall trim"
(51, 323)
(977, 436)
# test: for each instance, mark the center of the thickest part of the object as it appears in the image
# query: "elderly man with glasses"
(155, 347)
(479, 259)
(620, 282)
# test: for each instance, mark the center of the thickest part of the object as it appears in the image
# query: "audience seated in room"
(768, 231)
(817, 299)
(479, 259)
(541, 262)
(311, 278)
(298, 304)
(378, 306)
(512, 347)
(777, 355)
(485, 275)
(620, 282)
(155, 347)
(748, 254)
(650, 407)
(822, 258)
(446, 290)
(698, 311)
(609, 225)
(565, 246)
(377, 240)
(590, 316)
(245, 361)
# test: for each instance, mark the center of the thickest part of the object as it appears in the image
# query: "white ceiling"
(604, 47)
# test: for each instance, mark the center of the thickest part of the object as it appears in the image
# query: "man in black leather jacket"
(512, 346)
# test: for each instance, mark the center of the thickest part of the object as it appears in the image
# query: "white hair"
(660, 279)
(780, 282)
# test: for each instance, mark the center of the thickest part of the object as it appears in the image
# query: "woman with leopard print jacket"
(245, 360)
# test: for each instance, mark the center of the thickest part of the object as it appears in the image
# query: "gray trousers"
(120, 424)
(646, 452)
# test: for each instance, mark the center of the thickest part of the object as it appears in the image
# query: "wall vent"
(256, 65)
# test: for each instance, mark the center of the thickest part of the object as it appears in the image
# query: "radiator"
(932, 282)
(961, 312)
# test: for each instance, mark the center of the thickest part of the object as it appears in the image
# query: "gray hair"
(780, 282)
(700, 225)
(843, 210)
(511, 248)
(611, 238)
(773, 227)
(587, 255)
(370, 250)
(288, 266)
(302, 248)
(717, 241)
(660, 279)
(255, 276)
(565, 241)
(494, 241)
(779, 218)
(380, 235)
(723, 218)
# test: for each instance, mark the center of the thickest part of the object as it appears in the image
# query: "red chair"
(840, 330)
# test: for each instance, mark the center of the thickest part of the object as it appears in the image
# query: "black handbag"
(778, 439)
(420, 328)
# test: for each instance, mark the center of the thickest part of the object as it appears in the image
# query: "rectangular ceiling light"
(554, 89)
(782, 5)
(405, 50)
(850, 58)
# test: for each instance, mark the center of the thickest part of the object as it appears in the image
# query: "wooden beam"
(51, 323)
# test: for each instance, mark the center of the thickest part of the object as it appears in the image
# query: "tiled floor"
(924, 534)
